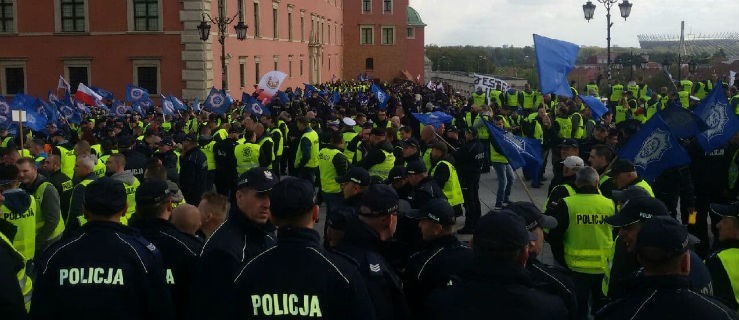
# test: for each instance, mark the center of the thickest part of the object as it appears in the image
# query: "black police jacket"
(12, 305)
(103, 271)
(235, 241)
(469, 160)
(425, 191)
(298, 278)
(433, 268)
(135, 163)
(362, 245)
(193, 175)
(554, 280)
(179, 253)
(492, 290)
(665, 297)
(723, 289)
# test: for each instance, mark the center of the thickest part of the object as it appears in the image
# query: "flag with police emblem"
(435, 119)
(521, 152)
(254, 107)
(382, 97)
(167, 105)
(5, 118)
(718, 115)
(217, 101)
(653, 149)
(120, 108)
(136, 94)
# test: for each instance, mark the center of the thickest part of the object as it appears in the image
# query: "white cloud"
(512, 22)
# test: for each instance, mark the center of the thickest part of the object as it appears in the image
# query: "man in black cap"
(410, 150)
(169, 159)
(245, 234)
(442, 256)
(549, 278)
(497, 284)
(297, 275)
(425, 187)
(398, 179)
(179, 252)
(135, 160)
(379, 158)
(623, 173)
(193, 171)
(469, 157)
(223, 153)
(366, 240)
(105, 270)
(664, 292)
(62, 183)
(722, 263)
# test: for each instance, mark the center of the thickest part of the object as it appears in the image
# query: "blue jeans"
(504, 172)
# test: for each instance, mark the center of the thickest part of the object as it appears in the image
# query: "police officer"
(379, 158)
(497, 282)
(223, 153)
(662, 247)
(266, 146)
(470, 159)
(135, 160)
(442, 256)
(306, 156)
(246, 233)
(83, 175)
(15, 294)
(446, 176)
(353, 185)
(179, 252)
(193, 171)
(170, 160)
(246, 152)
(624, 174)
(49, 222)
(424, 186)
(722, 263)
(105, 270)
(297, 277)
(581, 241)
(332, 163)
(566, 188)
(115, 169)
(366, 240)
(549, 278)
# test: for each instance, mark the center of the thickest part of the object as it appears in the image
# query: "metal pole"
(608, 38)
(222, 39)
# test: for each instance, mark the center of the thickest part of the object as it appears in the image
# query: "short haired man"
(213, 209)
(115, 168)
(664, 292)
(187, 219)
(246, 233)
(299, 267)
(84, 175)
(49, 223)
(105, 269)
(496, 283)
(623, 173)
(425, 187)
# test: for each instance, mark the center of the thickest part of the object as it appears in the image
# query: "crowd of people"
(206, 215)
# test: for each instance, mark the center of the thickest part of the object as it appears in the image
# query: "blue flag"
(177, 103)
(595, 105)
(21, 101)
(217, 101)
(654, 149)
(136, 94)
(309, 89)
(196, 105)
(5, 116)
(102, 92)
(167, 105)
(253, 106)
(336, 98)
(283, 97)
(52, 113)
(120, 108)
(381, 96)
(36, 118)
(554, 60)
(681, 122)
(436, 118)
(521, 152)
(722, 124)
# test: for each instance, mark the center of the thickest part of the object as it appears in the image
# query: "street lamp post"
(222, 22)
(589, 9)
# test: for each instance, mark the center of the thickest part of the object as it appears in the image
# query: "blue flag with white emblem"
(167, 105)
(521, 152)
(120, 108)
(309, 89)
(253, 106)
(5, 116)
(554, 60)
(136, 94)
(653, 149)
(381, 96)
(52, 113)
(36, 118)
(178, 104)
(196, 105)
(595, 105)
(217, 101)
(682, 122)
(722, 124)
(435, 119)
(102, 92)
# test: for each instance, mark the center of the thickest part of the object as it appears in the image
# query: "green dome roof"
(413, 18)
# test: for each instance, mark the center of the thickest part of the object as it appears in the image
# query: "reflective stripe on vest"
(272, 152)
(382, 170)
(280, 146)
(617, 92)
(40, 222)
(209, 156)
(328, 170)
(130, 200)
(565, 127)
(730, 260)
(247, 157)
(588, 239)
(25, 237)
(24, 281)
(452, 189)
(313, 161)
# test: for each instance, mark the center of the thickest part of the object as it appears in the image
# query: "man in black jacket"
(193, 171)
(722, 262)
(307, 280)
(223, 152)
(469, 157)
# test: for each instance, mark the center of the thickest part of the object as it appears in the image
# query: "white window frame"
(4, 64)
(412, 33)
(132, 22)
(14, 25)
(58, 17)
(82, 62)
(276, 18)
(382, 35)
(361, 35)
(242, 72)
(392, 7)
(148, 63)
(257, 19)
(290, 22)
(361, 7)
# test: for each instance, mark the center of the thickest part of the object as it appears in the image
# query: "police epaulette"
(349, 258)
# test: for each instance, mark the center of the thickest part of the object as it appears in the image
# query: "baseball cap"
(500, 230)
(410, 142)
(379, 200)
(291, 197)
(572, 143)
(357, 175)
(105, 197)
(573, 162)
(532, 215)
(436, 210)
(153, 192)
(415, 167)
(621, 166)
(667, 234)
(260, 179)
(630, 192)
(396, 173)
(636, 210)
(726, 210)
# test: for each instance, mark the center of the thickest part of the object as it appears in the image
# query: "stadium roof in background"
(695, 44)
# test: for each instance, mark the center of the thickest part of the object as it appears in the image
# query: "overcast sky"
(512, 22)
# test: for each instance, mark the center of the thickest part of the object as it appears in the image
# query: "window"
(366, 5)
(256, 21)
(410, 33)
(301, 67)
(242, 72)
(290, 67)
(329, 33)
(329, 62)
(290, 26)
(275, 31)
(322, 34)
(388, 35)
(77, 74)
(146, 15)
(366, 35)
(146, 75)
(369, 64)
(12, 78)
(72, 15)
(275, 59)
(302, 29)
(256, 71)
(387, 5)
(336, 34)
(7, 22)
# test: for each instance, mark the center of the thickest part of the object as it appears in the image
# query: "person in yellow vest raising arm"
(49, 223)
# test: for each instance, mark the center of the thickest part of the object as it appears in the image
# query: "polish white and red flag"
(86, 95)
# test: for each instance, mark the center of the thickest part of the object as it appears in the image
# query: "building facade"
(155, 44)
(383, 39)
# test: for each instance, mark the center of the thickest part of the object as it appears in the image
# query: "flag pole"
(20, 126)
(447, 142)
(525, 188)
